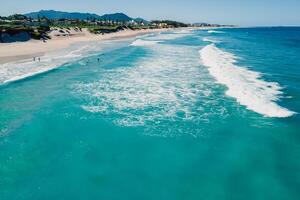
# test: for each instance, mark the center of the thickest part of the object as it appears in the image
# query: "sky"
(236, 12)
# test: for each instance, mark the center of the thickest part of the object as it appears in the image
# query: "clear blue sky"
(239, 12)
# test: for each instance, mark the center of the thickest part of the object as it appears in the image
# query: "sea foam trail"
(140, 42)
(214, 31)
(169, 36)
(162, 87)
(210, 40)
(244, 85)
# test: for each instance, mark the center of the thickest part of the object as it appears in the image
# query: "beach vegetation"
(39, 25)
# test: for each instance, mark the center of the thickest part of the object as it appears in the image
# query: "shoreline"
(14, 52)
(16, 65)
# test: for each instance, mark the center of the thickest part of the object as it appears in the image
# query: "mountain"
(116, 17)
(141, 20)
(52, 14)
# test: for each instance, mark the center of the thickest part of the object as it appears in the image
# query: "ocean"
(185, 114)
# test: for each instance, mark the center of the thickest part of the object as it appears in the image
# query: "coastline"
(16, 65)
(19, 51)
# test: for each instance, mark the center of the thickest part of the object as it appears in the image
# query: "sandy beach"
(18, 51)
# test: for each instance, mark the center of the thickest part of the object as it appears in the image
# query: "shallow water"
(179, 115)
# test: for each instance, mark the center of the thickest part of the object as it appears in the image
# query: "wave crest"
(244, 85)
(210, 40)
(140, 42)
(214, 31)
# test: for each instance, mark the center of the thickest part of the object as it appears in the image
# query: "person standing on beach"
(39, 59)
(34, 59)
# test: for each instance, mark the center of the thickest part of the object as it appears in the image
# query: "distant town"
(37, 25)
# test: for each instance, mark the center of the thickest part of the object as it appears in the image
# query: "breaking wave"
(170, 35)
(140, 42)
(162, 88)
(244, 85)
(205, 39)
(214, 31)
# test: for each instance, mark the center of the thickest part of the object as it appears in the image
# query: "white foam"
(14, 71)
(214, 31)
(244, 85)
(183, 31)
(169, 36)
(161, 88)
(140, 42)
(205, 39)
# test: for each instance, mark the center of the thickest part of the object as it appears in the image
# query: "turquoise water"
(191, 114)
